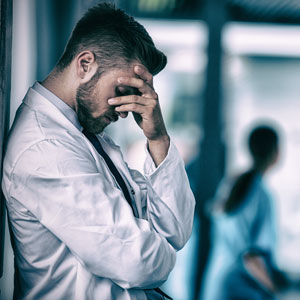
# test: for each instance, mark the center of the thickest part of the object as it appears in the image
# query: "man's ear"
(86, 66)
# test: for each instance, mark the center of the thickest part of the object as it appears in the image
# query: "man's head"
(115, 39)
(108, 41)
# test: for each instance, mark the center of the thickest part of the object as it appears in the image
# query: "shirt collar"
(63, 107)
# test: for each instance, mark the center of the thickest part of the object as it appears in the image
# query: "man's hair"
(115, 38)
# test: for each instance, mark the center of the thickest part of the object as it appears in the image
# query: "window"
(261, 80)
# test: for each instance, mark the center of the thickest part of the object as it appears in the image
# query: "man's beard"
(86, 106)
(87, 121)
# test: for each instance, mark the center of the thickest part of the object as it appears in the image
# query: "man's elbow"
(179, 240)
(148, 272)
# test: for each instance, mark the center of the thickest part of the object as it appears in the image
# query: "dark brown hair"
(115, 38)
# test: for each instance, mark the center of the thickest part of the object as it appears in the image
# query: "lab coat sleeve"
(62, 187)
(170, 202)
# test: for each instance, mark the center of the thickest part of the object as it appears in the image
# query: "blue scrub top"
(249, 226)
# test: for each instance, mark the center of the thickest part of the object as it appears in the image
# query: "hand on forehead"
(135, 84)
(143, 73)
(139, 71)
(124, 90)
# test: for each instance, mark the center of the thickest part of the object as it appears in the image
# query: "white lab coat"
(74, 233)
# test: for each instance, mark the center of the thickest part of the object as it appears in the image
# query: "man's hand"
(146, 110)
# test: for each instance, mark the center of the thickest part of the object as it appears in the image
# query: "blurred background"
(231, 64)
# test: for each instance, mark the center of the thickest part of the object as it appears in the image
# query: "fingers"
(134, 103)
(141, 85)
(131, 100)
(135, 94)
(135, 108)
(143, 73)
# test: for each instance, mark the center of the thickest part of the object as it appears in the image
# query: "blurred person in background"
(242, 263)
(83, 224)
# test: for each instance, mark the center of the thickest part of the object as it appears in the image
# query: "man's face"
(93, 110)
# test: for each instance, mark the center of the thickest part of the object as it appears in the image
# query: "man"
(84, 225)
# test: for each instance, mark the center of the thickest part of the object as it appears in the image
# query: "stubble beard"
(86, 106)
(87, 121)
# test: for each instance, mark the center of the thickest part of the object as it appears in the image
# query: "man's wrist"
(159, 148)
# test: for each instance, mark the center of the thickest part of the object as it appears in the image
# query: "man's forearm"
(158, 149)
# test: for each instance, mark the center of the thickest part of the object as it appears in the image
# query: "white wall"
(23, 74)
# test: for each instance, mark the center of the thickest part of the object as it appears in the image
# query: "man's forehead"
(128, 70)
(122, 72)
